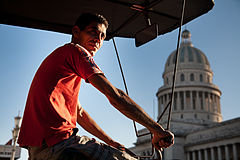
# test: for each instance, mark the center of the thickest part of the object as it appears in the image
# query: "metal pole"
(17, 121)
(14, 145)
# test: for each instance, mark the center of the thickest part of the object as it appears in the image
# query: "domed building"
(196, 119)
(196, 98)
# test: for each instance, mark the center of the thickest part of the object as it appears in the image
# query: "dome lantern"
(186, 37)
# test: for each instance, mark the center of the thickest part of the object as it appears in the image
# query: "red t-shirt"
(51, 109)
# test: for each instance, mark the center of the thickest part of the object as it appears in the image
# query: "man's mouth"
(94, 45)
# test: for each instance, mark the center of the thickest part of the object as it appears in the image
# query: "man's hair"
(86, 18)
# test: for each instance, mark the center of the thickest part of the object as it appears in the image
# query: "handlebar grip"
(168, 139)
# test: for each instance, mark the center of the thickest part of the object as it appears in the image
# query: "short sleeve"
(82, 63)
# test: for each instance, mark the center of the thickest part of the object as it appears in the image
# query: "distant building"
(6, 151)
(196, 119)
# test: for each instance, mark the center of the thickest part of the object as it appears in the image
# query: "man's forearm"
(133, 111)
(122, 102)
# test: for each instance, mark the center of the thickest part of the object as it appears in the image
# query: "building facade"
(196, 119)
(6, 152)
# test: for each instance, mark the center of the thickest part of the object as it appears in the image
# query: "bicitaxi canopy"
(139, 19)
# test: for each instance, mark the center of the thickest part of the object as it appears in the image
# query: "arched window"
(201, 78)
(182, 78)
(167, 80)
(191, 77)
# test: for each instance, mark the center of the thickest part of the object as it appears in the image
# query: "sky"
(216, 34)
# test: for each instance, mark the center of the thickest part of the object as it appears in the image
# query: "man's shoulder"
(73, 48)
(82, 49)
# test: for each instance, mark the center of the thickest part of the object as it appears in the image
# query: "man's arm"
(122, 102)
(86, 121)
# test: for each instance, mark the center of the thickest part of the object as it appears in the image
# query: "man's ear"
(75, 31)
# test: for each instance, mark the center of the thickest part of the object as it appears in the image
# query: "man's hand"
(163, 140)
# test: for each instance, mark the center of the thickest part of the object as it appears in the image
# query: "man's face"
(91, 37)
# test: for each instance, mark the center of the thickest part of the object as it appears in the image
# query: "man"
(48, 128)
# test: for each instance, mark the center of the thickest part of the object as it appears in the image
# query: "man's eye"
(103, 36)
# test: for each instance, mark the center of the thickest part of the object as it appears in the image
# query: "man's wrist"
(157, 128)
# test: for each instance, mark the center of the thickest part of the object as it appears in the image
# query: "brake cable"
(170, 103)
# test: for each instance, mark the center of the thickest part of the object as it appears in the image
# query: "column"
(178, 101)
(168, 98)
(159, 106)
(204, 101)
(219, 105)
(214, 103)
(193, 155)
(175, 101)
(209, 104)
(219, 153)
(234, 152)
(198, 101)
(191, 100)
(164, 101)
(199, 155)
(184, 99)
(226, 153)
(205, 154)
(188, 155)
(212, 154)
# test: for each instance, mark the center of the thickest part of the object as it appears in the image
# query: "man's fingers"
(159, 146)
(162, 144)
(168, 140)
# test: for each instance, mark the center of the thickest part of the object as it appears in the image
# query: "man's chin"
(92, 52)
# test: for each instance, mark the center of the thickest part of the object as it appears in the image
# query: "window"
(188, 100)
(182, 100)
(195, 115)
(194, 99)
(201, 100)
(191, 77)
(182, 78)
(201, 78)
(208, 79)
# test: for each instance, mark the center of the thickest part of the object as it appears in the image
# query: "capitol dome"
(196, 99)
(189, 56)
